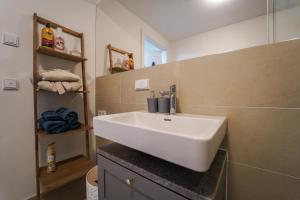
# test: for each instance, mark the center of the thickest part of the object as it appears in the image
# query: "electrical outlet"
(101, 112)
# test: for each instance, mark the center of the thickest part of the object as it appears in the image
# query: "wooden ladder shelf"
(76, 167)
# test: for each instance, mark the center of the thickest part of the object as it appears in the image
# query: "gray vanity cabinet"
(118, 183)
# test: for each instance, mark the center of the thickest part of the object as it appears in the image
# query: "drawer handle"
(129, 181)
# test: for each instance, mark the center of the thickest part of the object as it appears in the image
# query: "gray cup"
(152, 105)
(163, 105)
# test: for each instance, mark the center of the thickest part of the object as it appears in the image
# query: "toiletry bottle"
(125, 63)
(59, 42)
(130, 62)
(47, 36)
(51, 165)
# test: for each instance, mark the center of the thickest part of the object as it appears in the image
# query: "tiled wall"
(258, 89)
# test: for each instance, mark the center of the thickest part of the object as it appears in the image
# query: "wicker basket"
(92, 184)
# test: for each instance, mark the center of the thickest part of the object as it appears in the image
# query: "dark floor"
(73, 191)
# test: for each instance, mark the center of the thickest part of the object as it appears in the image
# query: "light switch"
(141, 84)
(10, 39)
(10, 84)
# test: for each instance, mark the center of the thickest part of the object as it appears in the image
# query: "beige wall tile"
(133, 107)
(161, 77)
(246, 183)
(111, 108)
(108, 88)
(261, 137)
(261, 76)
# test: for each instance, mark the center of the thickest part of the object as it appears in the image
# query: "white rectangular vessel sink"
(187, 140)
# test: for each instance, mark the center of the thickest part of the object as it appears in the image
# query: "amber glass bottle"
(48, 36)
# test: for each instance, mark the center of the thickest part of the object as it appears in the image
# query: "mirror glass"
(162, 31)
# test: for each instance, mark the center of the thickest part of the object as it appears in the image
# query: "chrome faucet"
(173, 100)
(172, 95)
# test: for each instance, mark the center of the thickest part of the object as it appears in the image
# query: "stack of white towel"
(60, 81)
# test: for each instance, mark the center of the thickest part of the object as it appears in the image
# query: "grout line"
(265, 170)
(248, 107)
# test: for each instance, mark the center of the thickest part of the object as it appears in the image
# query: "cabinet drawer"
(119, 183)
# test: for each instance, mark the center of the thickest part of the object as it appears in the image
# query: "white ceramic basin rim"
(187, 140)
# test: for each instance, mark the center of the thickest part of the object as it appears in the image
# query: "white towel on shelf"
(60, 88)
(67, 86)
(47, 85)
(76, 86)
(59, 75)
(72, 86)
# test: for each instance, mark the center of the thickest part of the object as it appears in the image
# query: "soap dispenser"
(152, 103)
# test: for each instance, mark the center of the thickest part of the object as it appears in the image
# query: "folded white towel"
(47, 85)
(76, 86)
(72, 86)
(60, 88)
(67, 86)
(59, 75)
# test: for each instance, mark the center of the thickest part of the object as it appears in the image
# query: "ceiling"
(93, 1)
(178, 19)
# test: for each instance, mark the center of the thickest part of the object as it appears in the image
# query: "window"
(153, 54)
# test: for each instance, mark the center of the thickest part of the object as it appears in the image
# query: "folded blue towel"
(51, 116)
(52, 126)
(59, 121)
(73, 125)
(67, 114)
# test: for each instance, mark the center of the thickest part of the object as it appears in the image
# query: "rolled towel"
(47, 85)
(67, 86)
(53, 126)
(76, 86)
(67, 114)
(72, 86)
(50, 116)
(73, 125)
(60, 88)
(59, 75)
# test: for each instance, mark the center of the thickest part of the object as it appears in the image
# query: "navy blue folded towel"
(52, 126)
(73, 125)
(61, 120)
(50, 116)
(67, 114)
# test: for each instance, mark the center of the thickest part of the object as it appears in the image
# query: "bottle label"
(51, 158)
(59, 43)
(47, 43)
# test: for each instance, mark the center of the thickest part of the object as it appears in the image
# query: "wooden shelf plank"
(78, 131)
(119, 69)
(50, 52)
(67, 171)
(55, 25)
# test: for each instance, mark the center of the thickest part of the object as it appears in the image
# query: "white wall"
(287, 24)
(244, 34)
(17, 169)
(118, 26)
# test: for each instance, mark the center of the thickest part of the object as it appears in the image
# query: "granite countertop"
(186, 182)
